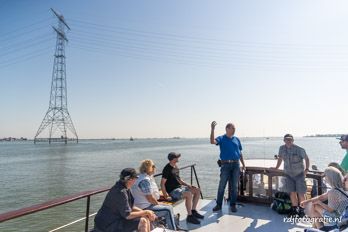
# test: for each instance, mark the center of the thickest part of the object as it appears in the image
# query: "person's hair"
(145, 166)
(127, 174)
(229, 125)
(336, 165)
(333, 177)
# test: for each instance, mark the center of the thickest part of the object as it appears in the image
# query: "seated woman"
(118, 213)
(146, 194)
(336, 200)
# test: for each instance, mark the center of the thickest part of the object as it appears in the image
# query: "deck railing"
(71, 198)
(269, 178)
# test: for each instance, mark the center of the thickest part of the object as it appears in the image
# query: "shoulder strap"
(345, 194)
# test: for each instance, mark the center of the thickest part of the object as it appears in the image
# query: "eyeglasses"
(127, 178)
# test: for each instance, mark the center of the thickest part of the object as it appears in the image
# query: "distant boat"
(176, 137)
(131, 139)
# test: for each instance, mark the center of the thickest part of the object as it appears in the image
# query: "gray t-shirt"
(293, 159)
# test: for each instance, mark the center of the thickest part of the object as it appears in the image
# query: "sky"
(168, 68)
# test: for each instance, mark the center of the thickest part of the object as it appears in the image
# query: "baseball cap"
(288, 136)
(343, 138)
(173, 155)
(128, 173)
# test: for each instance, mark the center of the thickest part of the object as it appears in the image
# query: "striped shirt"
(337, 201)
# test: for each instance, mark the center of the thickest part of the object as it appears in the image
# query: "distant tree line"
(324, 135)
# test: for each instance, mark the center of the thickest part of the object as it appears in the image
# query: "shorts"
(177, 194)
(295, 184)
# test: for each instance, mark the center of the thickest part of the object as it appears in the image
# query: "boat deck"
(250, 217)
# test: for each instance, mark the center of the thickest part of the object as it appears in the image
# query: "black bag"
(281, 203)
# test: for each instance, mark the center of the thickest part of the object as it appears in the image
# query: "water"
(31, 174)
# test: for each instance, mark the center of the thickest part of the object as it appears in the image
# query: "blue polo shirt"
(230, 148)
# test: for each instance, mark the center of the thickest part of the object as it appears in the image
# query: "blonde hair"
(334, 177)
(145, 166)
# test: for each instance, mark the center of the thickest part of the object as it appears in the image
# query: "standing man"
(295, 172)
(344, 145)
(230, 155)
(173, 187)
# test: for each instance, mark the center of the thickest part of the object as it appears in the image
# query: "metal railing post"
(87, 213)
(191, 174)
(194, 170)
(320, 185)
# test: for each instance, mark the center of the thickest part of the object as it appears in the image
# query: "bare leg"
(309, 210)
(293, 198)
(301, 197)
(318, 212)
(196, 194)
(144, 225)
(188, 202)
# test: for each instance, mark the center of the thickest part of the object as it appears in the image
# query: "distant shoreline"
(325, 135)
(178, 138)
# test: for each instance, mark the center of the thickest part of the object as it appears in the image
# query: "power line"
(28, 26)
(164, 45)
(172, 36)
(29, 56)
(194, 55)
(25, 33)
(25, 45)
(198, 62)
(204, 51)
(220, 48)
(142, 57)
(273, 55)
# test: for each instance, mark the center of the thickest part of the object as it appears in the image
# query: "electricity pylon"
(57, 120)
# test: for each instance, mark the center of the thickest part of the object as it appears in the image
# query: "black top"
(172, 175)
(116, 207)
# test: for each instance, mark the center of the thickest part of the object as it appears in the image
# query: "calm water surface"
(31, 174)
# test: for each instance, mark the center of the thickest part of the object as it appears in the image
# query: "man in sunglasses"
(295, 172)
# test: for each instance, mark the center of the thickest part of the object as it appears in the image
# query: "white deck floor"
(249, 217)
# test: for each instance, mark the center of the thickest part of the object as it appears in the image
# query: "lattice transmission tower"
(57, 123)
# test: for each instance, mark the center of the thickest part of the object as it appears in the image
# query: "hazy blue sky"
(168, 68)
